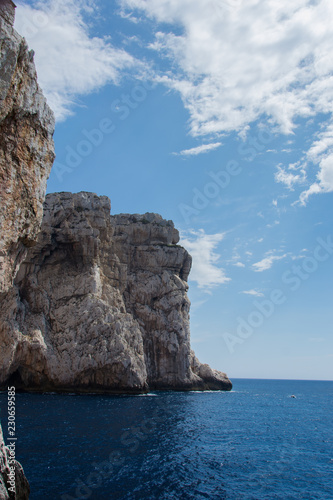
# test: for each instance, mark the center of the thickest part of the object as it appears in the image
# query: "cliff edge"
(101, 305)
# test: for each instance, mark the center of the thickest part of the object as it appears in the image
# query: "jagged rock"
(101, 304)
(26, 157)
(26, 149)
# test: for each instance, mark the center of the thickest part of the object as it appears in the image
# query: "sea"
(257, 442)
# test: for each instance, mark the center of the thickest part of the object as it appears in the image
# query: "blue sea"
(254, 443)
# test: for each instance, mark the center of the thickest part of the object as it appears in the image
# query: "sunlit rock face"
(102, 304)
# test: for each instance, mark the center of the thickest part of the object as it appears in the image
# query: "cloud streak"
(254, 293)
(267, 262)
(204, 148)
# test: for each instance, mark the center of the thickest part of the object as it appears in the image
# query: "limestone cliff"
(26, 150)
(26, 157)
(101, 304)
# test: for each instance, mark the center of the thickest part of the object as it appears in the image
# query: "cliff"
(101, 305)
(26, 151)
(26, 157)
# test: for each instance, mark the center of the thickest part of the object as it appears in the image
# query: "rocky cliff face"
(26, 157)
(101, 304)
(26, 151)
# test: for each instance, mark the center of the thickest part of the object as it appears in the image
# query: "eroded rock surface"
(101, 304)
(26, 150)
(26, 157)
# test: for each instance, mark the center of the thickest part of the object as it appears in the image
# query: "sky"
(217, 114)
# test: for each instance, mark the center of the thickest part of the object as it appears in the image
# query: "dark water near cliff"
(253, 443)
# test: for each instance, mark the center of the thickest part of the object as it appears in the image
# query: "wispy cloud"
(255, 293)
(205, 269)
(221, 86)
(287, 78)
(288, 178)
(70, 62)
(267, 262)
(239, 264)
(204, 148)
(321, 153)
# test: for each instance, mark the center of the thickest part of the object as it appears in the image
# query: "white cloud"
(267, 262)
(288, 178)
(69, 61)
(204, 148)
(321, 153)
(239, 264)
(322, 145)
(236, 62)
(205, 270)
(224, 89)
(255, 293)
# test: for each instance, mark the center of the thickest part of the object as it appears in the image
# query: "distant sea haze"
(256, 442)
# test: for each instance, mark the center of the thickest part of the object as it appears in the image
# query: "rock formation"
(26, 149)
(26, 157)
(101, 305)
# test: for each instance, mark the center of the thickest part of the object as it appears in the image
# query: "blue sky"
(218, 115)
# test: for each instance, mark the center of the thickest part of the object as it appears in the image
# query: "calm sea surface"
(255, 442)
